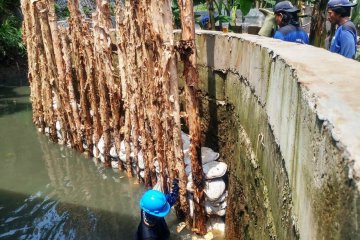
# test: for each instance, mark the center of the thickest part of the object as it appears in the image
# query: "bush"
(11, 45)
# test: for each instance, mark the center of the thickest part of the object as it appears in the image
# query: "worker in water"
(344, 41)
(288, 24)
(154, 207)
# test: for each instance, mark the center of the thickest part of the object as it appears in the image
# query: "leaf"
(245, 6)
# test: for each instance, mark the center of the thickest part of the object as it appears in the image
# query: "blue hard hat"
(154, 203)
(285, 6)
(340, 3)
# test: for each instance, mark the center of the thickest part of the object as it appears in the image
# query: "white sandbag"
(113, 152)
(191, 203)
(214, 169)
(96, 153)
(186, 153)
(59, 136)
(122, 156)
(188, 170)
(221, 199)
(156, 165)
(213, 210)
(101, 145)
(85, 146)
(187, 160)
(214, 189)
(58, 125)
(102, 159)
(189, 178)
(47, 130)
(216, 205)
(216, 223)
(189, 187)
(142, 174)
(115, 164)
(208, 155)
(141, 160)
(185, 140)
(123, 149)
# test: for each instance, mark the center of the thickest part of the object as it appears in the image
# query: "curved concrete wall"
(298, 154)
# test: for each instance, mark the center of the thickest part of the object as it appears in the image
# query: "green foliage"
(61, 13)
(355, 17)
(87, 11)
(176, 14)
(11, 46)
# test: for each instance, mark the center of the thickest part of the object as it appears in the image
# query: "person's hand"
(175, 185)
(173, 195)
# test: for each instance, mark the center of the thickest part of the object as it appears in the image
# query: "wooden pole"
(187, 50)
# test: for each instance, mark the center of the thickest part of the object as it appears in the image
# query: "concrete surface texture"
(308, 98)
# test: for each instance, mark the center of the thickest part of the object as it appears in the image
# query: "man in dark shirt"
(288, 21)
(154, 207)
(344, 40)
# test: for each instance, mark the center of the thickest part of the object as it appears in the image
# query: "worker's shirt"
(157, 230)
(344, 41)
(290, 33)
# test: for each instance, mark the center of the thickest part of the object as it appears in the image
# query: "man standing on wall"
(344, 41)
(288, 22)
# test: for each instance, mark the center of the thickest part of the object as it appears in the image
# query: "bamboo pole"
(187, 50)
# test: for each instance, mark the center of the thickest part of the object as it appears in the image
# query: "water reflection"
(48, 191)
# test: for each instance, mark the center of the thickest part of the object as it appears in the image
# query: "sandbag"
(269, 26)
(185, 140)
(101, 145)
(214, 169)
(95, 151)
(213, 210)
(221, 199)
(188, 170)
(208, 155)
(189, 187)
(113, 152)
(187, 160)
(216, 223)
(141, 160)
(214, 189)
(122, 147)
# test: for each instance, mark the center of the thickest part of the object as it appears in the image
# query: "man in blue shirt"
(288, 21)
(344, 41)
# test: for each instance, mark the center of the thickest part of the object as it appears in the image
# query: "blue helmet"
(285, 6)
(340, 3)
(154, 203)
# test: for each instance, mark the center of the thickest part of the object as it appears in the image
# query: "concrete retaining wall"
(296, 133)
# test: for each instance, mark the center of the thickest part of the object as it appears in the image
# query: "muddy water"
(48, 191)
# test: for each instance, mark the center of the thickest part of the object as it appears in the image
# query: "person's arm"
(173, 195)
(347, 44)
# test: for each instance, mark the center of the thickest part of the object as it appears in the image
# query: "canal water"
(48, 191)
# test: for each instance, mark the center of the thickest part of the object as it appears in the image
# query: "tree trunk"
(317, 28)
(187, 51)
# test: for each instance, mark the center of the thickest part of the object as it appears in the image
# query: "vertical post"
(187, 51)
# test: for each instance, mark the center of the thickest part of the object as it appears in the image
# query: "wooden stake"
(187, 50)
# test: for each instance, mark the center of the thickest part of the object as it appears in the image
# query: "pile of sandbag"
(215, 188)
